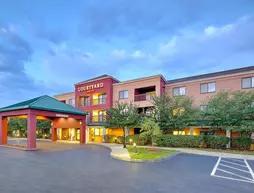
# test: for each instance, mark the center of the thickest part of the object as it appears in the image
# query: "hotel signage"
(62, 115)
(91, 87)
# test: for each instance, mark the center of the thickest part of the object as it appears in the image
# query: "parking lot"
(91, 169)
(233, 169)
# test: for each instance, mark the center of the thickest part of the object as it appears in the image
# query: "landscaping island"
(148, 154)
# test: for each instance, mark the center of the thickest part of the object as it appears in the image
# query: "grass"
(141, 153)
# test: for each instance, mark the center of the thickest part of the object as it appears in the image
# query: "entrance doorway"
(68, 134)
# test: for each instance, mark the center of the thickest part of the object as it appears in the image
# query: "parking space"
(233, 169)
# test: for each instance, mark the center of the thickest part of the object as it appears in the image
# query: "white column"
(228, 134)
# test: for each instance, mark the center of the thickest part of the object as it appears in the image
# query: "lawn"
(141, 153)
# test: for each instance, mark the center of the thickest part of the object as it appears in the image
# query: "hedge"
(242, 143)
(178, 141)
(217, 142)
(129, 139)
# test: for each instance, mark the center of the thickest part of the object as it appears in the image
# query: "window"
(85, 101)
(207, 87)
(179, 91)
(71, 102)
(123, 94)
(203, 107)
(102, 98)
(248, 82)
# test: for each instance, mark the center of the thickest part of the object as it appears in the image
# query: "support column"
(83, 131)
(3, 130)
(53, 131)
(31, 131)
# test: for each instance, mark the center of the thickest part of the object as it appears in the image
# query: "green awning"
(45, 103)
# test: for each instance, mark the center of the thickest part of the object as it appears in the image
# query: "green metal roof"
(46, 103)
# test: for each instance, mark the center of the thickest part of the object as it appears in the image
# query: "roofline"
(65, 93)
(142, 78)
(101, 78)
(211, 75)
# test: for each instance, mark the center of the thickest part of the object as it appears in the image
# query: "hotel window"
(203, 107)
(85, 101)
(179, 91)
(248, 82)
(123, 94)
(207, 87)
(102, 98)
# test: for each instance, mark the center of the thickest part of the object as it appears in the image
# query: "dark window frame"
(179, 90)
(207, 83)
(123, 91)
(251, 85)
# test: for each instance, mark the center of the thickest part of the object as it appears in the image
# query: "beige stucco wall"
(66, 97)
(227, 82)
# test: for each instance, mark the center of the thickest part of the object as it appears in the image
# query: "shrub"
(243, 142)
(216, 142)
(178, 140)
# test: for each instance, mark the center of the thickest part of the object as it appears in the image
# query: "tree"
(231, 111)
(17, 125)
(149, 129)
(174, 113)
(43, 128)
(124, 116)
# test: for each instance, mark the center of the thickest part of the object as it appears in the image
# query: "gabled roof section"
(97, 78)
(46, 103)
(211, 75)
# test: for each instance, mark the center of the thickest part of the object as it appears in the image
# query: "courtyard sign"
(91, 87)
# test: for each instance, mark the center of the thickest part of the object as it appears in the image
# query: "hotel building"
(98, 94)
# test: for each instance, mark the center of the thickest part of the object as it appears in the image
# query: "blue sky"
(46, 46)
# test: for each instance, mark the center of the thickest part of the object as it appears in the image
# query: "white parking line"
(231, 168)
(234, 163)
(251, 172)
(247, 171)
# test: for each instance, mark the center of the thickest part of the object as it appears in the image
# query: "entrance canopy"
(61, 114)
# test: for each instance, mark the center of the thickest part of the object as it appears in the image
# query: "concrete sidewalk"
(208, 153)
(117, 151)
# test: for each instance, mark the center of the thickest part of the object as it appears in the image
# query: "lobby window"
(179, 91)
(203, 107)
(123, 94)
(207, 87)
(248, 82)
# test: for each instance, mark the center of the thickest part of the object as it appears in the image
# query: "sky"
(46, 46)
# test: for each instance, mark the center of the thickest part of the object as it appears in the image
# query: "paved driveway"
(91, 169)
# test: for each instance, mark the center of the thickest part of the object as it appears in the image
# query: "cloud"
(15, 84)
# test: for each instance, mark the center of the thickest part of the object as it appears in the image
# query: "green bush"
(178, 140)
(129, 139)
(213, 141)
(216, 142)
(243, 142)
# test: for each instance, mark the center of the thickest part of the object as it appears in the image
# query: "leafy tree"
(20, 125)
(174, 113)
(17, 124)
(149, 129)
(231, 111)
(43, 128)
(124, 116)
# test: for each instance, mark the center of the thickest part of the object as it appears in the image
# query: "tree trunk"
(124, 137)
